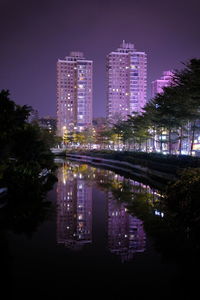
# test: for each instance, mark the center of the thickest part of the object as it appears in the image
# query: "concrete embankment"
(151, 175)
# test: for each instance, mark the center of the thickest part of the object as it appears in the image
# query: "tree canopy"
(21, 143)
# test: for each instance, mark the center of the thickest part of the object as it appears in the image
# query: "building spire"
(125, 45)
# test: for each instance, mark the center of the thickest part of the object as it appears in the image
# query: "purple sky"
(34, 34)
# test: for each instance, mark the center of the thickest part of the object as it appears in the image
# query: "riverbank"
(177, 177)
(154, 166)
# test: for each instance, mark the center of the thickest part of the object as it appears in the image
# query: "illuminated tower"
(126, 82)
(158, 85)
(74, 93)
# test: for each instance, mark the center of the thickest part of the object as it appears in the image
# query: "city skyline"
(34, 34)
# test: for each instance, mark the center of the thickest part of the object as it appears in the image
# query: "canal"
(102, 236)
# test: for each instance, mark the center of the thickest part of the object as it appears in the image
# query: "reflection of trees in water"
(171, 234)
(124, 190)
(26, 206)
(170, 228)
(125, 232)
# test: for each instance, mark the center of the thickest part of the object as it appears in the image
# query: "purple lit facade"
(158, 85)
(126, 82)
(76, 183)
(74, 93)
(74, 209)
(126, 235)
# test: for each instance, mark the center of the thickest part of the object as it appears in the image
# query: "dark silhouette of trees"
(169, 118)
(12, 120)
(24, 147)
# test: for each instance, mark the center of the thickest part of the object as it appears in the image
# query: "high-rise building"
(48, 122)
(158, 85)
(74, 93)
(126, 82)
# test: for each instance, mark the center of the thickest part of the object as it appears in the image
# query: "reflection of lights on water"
(75, 193)
(158, 213)
(157, 194)
(116, 213)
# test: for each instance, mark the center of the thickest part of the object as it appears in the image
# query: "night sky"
(34, 34)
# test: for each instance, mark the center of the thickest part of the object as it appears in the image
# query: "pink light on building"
(158, 85)
(74, 93)
(126, 82)
(126, 235)
(74, 209)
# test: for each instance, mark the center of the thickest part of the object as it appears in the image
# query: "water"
(105, 237)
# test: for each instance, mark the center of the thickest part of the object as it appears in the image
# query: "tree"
(124, 132)
(177, 106)
(25, 147)
(141, 131)
(188, 80)
(89, 136)
(12, 119)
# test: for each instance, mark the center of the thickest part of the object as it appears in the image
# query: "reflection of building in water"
(126, 235)
(74, 209)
